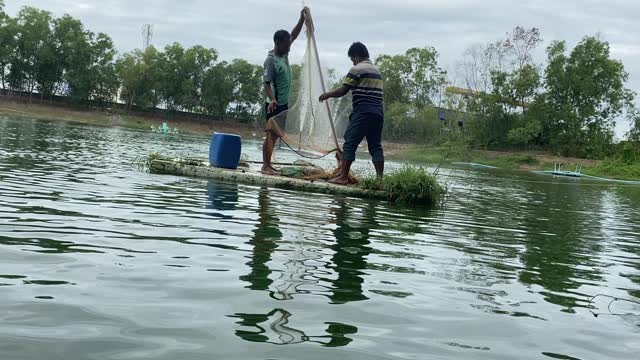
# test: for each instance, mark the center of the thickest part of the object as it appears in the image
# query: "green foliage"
(247, 89)
(634, 133)
(217, 91)
(413, 77)
(408, 185)
(409, 124)
(617, 167)
(526, 134)
(584, 94)
(524, 159)
(570, 110)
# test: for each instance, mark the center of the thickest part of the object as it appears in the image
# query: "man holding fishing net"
(277, 86)
(366, 121)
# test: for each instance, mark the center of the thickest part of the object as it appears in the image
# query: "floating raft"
(474, 165)
(577, 175)
(247, 175)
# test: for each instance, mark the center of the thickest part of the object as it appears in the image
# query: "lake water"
(99, 260)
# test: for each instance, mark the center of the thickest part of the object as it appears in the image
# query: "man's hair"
(358, 49)
(280, 36)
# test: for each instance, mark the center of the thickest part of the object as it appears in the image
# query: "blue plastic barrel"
(224, 151)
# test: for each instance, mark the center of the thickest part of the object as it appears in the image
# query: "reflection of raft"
(251, 176)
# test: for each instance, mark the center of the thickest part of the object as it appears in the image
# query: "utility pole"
(147, 35)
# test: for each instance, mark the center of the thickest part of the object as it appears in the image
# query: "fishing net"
(312, 130)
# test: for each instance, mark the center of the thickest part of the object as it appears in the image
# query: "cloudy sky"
(243, 28)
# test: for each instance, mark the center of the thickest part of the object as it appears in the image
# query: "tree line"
(46, 56)
(498, 97)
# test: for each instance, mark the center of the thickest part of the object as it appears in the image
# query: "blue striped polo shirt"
(366, 85)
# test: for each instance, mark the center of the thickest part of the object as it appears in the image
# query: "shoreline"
(104, 118)
(510, 160)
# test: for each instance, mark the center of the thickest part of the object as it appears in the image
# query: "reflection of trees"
(563, 241)
(623, 225)
(350, 251)
(274, 328)
(540, 234)
(264, 243)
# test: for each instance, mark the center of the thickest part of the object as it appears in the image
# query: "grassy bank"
(615, 169)
(518, 160)
(409, 185)
(99, 118)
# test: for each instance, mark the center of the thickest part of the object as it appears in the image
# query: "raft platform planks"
(252, 177)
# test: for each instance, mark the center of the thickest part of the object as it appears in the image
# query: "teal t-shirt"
(277, 72)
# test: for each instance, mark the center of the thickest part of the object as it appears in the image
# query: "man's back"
(367, 88)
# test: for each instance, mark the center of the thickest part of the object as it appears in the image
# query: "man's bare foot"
(340, 181)
(268, 170)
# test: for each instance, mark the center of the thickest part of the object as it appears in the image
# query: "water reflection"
(563, 236)
(222, 196)
(305, 268)
(263, 243)
(350, 249)
(275, 328)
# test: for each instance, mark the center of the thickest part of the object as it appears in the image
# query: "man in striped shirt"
(366, 120)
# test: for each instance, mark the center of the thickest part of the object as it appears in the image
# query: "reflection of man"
(277, 85)
(351, 249)
(264, 243)
(274, 328)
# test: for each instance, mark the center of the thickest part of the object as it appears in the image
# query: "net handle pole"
(311, 31)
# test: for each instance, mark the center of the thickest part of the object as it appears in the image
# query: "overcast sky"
(244, 28)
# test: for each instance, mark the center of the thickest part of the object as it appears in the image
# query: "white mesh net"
(310, 128)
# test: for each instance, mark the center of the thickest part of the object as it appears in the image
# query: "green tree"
(104, 82)
(426, 79)
(130, 70)
(393, 70)
(634, 133)
(584, 94)
(412, 77)
(196, 62)
(140, 76)
(217, 90)
(77, 56)
(33, 53)
(7, 44)
(247, 91)
(171, 82)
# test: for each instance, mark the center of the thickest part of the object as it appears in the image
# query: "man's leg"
(275, 126)
(374, 142)
(267, 146)
(267, 152)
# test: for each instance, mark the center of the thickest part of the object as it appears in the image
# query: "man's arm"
(269, 77)
(269, 91)
(337, 93)
(296, 30)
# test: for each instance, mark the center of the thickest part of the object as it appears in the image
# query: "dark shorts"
(364, 125)
(278, 110)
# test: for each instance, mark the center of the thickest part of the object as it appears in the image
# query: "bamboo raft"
(247, 175)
